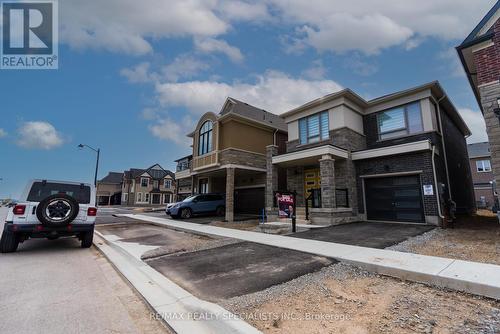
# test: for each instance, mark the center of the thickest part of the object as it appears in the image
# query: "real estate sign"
(285, 205)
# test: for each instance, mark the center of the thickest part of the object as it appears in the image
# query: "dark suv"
(198, 204)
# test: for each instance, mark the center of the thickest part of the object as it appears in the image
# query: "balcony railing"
(205, 160)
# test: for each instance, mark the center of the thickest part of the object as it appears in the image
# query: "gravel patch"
(409, 245)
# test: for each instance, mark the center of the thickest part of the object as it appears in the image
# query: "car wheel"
(87, 238)
(186, 213)
(57, 210)
(221, 211)
(9, 242)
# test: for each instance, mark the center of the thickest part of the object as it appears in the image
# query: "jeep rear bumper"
(42, 231)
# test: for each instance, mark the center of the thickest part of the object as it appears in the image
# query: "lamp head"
(80, 146)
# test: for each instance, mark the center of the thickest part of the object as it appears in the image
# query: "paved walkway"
(477, 278)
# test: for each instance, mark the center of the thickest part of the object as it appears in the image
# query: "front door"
(394, 198)
(156, 199)
(312, 180)
(203, 186)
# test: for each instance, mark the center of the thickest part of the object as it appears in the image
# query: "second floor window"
(483, 166)
(400, 121)
(168, 183)
(314, 128)
(205, 139)
(155, 184)
(144, 182)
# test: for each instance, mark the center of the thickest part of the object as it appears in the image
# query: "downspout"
(436, 182)
(274, 137)
(444, 146)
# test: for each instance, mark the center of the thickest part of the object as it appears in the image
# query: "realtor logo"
(29, 35)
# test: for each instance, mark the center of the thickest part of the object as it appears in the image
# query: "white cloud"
(360, 66)
(316, 71)
(370, 26)
(273, 91)
(126, 25)
(3, 133)
(170, 130)
(38, 135)
(475, 122)
(451, 62)
(244, 11)
(137, 74)
(183, 66)
(212, 45)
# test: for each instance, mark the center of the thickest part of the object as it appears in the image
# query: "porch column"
(327, 173)
(230, 195)
(271, 176)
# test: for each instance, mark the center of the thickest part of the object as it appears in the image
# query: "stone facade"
(489, 95)
(271, 181)
(230, 194)
(295, 182)
(327, 172)
(240, 157)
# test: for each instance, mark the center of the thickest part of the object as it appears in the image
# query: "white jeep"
(51, 209)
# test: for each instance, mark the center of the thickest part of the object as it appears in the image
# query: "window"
(133, 186)
(144, 182)
(400, 121)
(167, 183)
(483, 166)
(139, 197)
(203, 186)
(40, 190)
(125, 197)
(314, 128)
(146, 197)
(166, 198)
(205, 139)
(155, 184)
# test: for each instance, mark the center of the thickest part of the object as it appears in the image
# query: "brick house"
(482, 175)
(480, 57)
(399, 157)
(146, 187)
(229, 155)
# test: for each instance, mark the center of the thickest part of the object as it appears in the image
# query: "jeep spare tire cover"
(56, 210)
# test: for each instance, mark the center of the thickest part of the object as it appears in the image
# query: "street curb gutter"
(471, 277)
(179, 309)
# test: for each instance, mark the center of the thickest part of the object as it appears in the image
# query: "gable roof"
(135, 172)
(478, 150)
(483, 32)
(245, 110)
(112, 177)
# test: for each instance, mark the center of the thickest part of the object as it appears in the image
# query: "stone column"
(327, 172)
(230, 195)
(271, 176)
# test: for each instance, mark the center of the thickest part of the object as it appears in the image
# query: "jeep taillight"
(19, 209)
(91, 212)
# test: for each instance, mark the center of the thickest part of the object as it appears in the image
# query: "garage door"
(249, 201)
(394, 199)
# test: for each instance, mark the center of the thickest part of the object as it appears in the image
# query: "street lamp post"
(98, 151)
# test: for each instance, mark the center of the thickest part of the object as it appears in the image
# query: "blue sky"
(134, 76)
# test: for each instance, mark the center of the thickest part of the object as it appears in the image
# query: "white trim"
(311, 152)
(238, 149)
(422, 145)
(481, 46)
(205, 166)
(243, 167)
(371, 176)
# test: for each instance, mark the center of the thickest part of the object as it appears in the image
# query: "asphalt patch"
(366, 234)
(237, 269)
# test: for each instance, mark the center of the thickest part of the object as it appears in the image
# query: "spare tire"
(57, 210)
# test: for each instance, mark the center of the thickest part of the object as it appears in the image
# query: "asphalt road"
(57, 287)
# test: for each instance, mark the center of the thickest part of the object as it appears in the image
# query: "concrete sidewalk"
(472, 277)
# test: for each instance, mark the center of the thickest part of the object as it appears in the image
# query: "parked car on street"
(198, 204)
(51, 209)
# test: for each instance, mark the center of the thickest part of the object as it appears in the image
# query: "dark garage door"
(249, 201)
(394, 199)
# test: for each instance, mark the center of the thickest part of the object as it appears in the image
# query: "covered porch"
(243, 188)
(324, 180)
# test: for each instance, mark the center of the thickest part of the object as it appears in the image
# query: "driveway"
(237, 269)
(374, 235)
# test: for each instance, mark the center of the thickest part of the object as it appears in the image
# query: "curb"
(177, 308)
(471, 277)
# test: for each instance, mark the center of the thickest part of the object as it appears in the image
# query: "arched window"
(205, 139)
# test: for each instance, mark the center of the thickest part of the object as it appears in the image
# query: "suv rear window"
(41, 190)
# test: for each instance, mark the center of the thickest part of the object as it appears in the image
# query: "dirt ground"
(244, 225)
(359, 302)
(474, 238)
